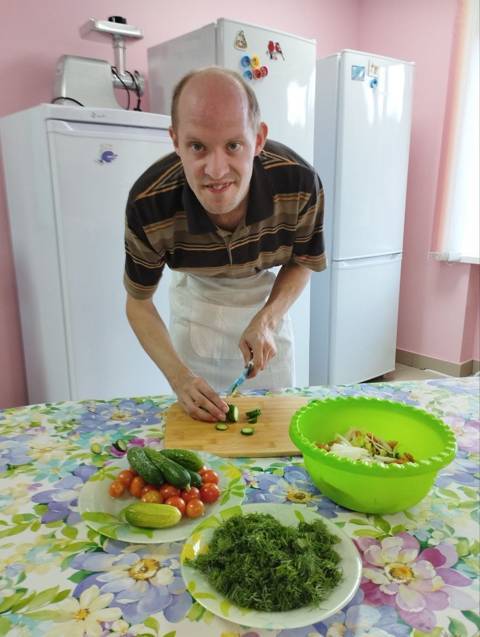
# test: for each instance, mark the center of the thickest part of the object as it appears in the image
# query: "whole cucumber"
(140, 462)
(185, 457)
(152, 516)
(195, 479)
(173, 472)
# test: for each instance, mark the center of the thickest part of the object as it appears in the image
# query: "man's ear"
(261, 138)
(174, 138)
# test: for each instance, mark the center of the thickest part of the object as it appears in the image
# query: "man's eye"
(196, 147)
(234, 146)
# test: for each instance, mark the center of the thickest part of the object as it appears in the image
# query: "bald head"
(214, 88)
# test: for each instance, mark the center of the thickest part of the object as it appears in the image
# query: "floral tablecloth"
(61, 579)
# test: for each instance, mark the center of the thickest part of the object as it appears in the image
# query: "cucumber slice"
(254, 413)
(221, 426)
(247, 431)
(232, 413)
(95, 447)
(120, 445)
(252, 420)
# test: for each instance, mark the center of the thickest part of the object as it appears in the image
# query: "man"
(220, 212)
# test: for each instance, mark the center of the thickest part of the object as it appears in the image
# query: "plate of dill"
(270, 566)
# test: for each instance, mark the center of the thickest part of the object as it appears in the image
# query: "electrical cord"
(137, 90)
(114, 71)
(69, 99)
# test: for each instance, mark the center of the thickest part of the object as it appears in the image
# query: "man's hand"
(257, 343)
(198, 399)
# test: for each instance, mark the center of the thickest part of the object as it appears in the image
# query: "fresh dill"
(258, 563)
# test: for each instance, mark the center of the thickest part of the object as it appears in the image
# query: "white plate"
(102, 512)
(290, 515)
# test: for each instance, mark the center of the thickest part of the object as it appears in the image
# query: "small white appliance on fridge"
(68, 171)
(362, 137)
(282, 71)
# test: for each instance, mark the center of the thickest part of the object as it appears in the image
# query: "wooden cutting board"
(270, 437)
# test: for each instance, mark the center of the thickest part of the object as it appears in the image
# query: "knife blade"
(241, 379)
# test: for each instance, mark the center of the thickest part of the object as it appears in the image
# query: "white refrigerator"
(362, 136)
(68, 171)
(285, 89)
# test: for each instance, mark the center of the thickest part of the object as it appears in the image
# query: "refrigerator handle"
(368, 261)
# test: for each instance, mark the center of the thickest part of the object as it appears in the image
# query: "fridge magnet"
(253, 68)
(240, 41)
(271, 50)
(106, 154)
(373, 69)
(278, 49)
(358, 73)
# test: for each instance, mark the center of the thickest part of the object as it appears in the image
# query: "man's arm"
(258, 339)
(308, 255)
(194, 394)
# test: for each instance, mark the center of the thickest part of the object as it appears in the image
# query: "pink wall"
(476, 333)
(437, 305)
(437, 315)
(35, 34)
(471, 339)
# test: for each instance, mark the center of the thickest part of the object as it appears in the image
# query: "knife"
(241, 379)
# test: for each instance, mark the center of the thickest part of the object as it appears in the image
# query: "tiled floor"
(405, 372)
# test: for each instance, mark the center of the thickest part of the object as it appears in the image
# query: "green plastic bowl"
(372, 488)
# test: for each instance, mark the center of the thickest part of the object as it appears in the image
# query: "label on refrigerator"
(358, 73)
(373, 70)
(240, 41)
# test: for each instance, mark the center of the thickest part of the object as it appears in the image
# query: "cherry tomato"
(147, 488)
(168, 491)
(210, 476)
(152, 496)
(136, 486)
(126, 477)
(194, 509)
(116, 489)
(203, 469)
(178, 502)
(209, 493)
(192, 494)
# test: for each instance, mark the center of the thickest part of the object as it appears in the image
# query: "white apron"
(207, 318)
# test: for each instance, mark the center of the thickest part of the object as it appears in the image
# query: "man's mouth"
(220, 187)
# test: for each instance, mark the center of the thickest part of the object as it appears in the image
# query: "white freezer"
(286, 97)
(357, 325)
(67, 232)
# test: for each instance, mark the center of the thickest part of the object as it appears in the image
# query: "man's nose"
(217, 164)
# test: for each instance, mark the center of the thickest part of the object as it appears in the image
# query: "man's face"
(216, 143)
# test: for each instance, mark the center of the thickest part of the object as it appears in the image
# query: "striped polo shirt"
(166, 224)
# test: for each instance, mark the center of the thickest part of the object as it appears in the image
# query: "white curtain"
(457, 236)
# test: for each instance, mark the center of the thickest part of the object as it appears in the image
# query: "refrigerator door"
(363, 325)
(287, 94)
(171, 60)
(93, 168)
(286, 97)
(374, 116)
